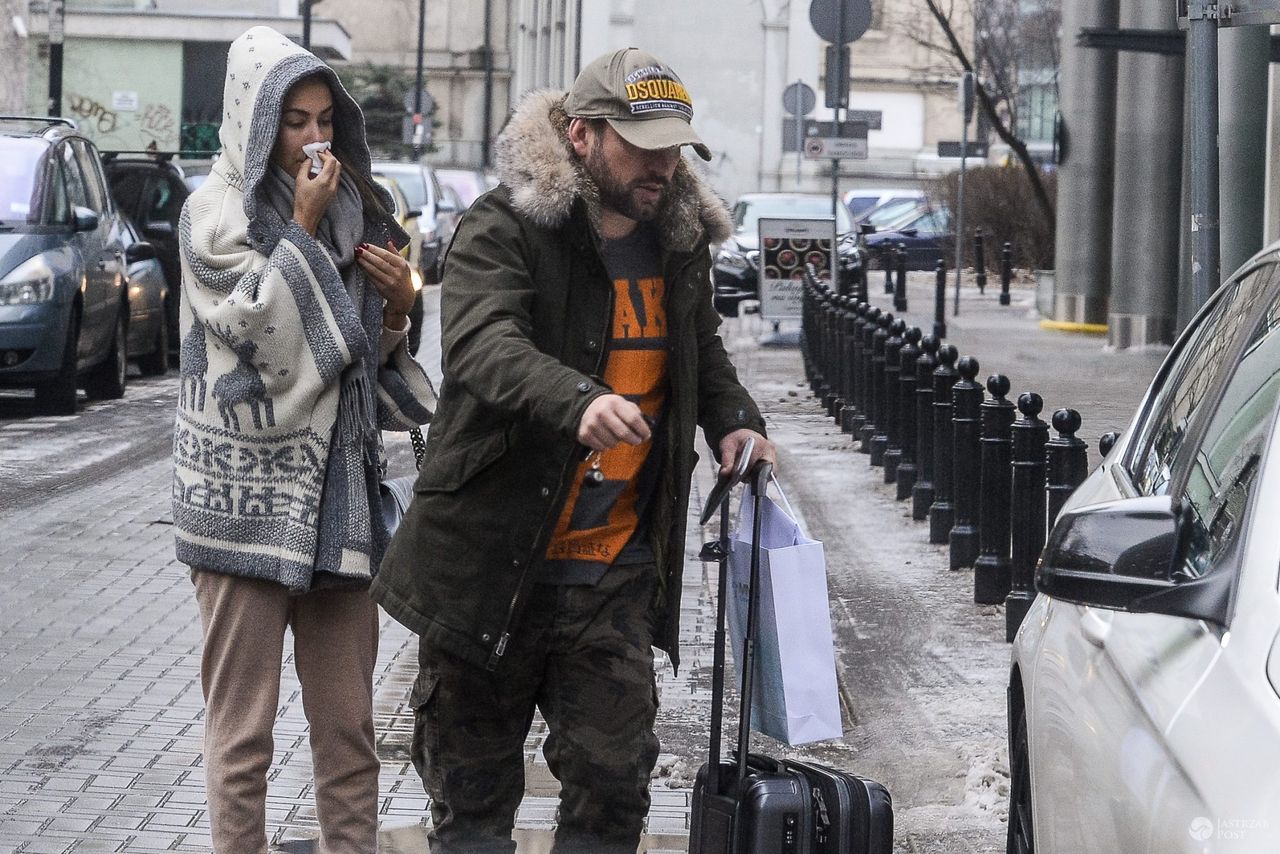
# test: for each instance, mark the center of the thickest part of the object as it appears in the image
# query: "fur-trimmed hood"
(535, 160)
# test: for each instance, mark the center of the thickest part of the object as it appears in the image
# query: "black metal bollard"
(992, 568)
(966, 424)
(859, 415)
(806, 329)
(888, 261)
(942, 510)
(892, 453)
(922, 489)
(900, 287)
(979, 260)
(1068, 460)
(1006, 271)
(1106, 442)
(940, 300)
(828, 363)
(875, 424)
(849, 362)
(866, 378)
(839, 365)
(1027, 515)
(906, 471)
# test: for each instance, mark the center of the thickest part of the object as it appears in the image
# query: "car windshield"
(468, 185)
(411, 180)
(748, 212)
(20, 187)
(892, 212)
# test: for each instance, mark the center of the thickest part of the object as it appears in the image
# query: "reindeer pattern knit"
(267, 481)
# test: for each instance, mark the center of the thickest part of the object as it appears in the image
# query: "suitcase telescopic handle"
(759, 488)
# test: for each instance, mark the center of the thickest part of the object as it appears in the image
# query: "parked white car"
(1144, 697)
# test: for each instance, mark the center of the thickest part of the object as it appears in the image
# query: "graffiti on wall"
(94, 112)
(155, 124)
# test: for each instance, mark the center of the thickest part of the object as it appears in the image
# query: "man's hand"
(609, 421)
(313, 193)
(731, 444)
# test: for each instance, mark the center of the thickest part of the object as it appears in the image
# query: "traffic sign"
(1243, 13)
(835, 148)
(823, 16)
(798, 99)
(953, 148)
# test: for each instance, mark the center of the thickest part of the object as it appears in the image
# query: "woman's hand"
(313, 193)
(389, 272)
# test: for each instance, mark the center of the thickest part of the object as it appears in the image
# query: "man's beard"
(620, 197)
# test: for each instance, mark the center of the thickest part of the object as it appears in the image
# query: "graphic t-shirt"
(606, 523)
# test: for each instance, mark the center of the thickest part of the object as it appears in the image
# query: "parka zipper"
(500, 648)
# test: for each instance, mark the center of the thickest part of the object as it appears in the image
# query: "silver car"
(1144, 695)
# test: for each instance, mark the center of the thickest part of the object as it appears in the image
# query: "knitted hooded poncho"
(266, 483)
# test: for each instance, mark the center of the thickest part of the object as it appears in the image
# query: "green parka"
(526, 309)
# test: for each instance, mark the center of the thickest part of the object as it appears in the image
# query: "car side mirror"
(910, 232)
(85, 219)
(1122, 555)
(413, 213)
(140, 251)
(158, 228)
(866, 228)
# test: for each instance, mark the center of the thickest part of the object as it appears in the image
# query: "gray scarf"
(340, 231)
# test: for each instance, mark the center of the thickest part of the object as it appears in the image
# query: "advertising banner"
(786, 246)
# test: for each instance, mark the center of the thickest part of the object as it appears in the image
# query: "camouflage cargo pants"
(583, 657)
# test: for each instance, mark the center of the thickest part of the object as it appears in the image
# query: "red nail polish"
(359, 250)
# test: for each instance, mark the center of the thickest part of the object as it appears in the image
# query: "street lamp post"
(1202, 21)
(418, 129)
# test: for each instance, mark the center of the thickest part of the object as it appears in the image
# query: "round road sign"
(814, 146)
(798, 99)
(857, 19)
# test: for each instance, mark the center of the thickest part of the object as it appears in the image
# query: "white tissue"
(312, 150)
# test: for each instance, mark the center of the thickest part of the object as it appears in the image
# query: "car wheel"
(156, 363)
(58, 395)
(726, 307)
(1021, 830)
(107, 381)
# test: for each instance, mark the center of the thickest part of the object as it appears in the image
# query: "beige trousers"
(335, 648)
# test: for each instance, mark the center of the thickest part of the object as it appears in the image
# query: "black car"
(64, 303)
(736, 267)
(926, 234)
(149, 188)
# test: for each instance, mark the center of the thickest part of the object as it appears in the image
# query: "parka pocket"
(449, 469)
(424, 690)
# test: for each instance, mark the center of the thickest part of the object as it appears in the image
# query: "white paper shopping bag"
(794, 694)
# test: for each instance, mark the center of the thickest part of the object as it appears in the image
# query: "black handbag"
(397, 492)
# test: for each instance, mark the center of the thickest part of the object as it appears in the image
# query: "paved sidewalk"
(100, 706)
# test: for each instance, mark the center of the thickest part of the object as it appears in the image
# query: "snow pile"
(986, 785)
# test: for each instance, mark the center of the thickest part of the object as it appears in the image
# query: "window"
(1220, 482)
(164, 201)
(56, 209)
(76, 193)
(94, 183)
(1189, 381)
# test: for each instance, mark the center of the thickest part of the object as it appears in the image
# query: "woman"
(294, 311)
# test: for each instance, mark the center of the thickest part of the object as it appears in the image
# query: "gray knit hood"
(536, 161)
(262, 65)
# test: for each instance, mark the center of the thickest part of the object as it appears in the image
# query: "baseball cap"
(640, 96)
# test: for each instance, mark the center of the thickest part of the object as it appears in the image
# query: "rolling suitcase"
(759, 805)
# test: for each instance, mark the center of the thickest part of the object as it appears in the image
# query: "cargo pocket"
(425, 729)
(449, 469)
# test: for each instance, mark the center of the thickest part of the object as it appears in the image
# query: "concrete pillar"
(1148, 179)
(1243, 65)
(1271, 228)
(1087, 80)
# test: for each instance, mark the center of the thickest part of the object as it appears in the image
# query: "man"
(541, 559)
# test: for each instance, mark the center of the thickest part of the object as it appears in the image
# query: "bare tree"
(1011, 34)
(13, 56)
